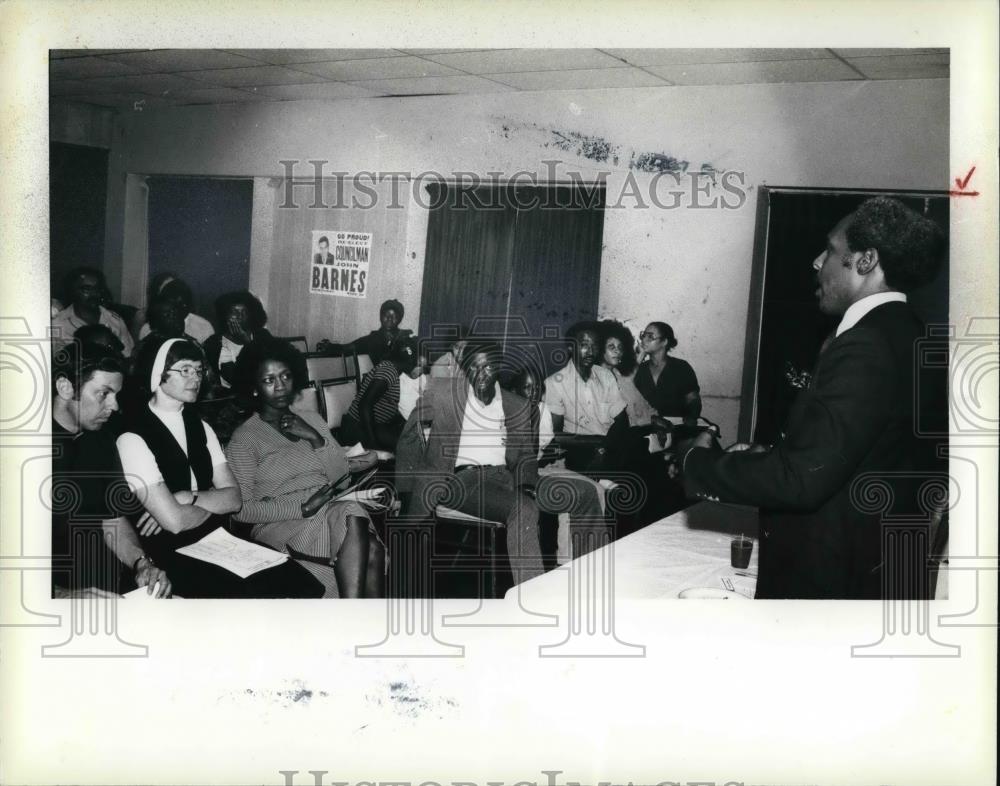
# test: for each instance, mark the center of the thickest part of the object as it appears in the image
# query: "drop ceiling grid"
(172, 76)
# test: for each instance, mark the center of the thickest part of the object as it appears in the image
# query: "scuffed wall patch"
(657, 162)
(604, 151)
(594, 148)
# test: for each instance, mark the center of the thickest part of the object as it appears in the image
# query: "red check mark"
(963, 183)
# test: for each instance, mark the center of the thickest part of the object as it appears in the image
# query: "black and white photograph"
(461, 404)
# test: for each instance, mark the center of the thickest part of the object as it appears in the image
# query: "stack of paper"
(361, 495)
(355, 450)
(235, 555)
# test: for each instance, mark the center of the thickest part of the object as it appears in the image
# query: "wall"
(687, 266)
(80, 124)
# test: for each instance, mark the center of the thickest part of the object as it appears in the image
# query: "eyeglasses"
(650, 336)
(189, 371)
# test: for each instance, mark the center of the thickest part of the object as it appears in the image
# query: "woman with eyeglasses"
(178, 473)
(289, 470)
(669, 384)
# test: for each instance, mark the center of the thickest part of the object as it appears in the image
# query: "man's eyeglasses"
(650, 336)
(189, 371)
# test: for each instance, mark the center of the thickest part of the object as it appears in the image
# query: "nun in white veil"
(176, 467)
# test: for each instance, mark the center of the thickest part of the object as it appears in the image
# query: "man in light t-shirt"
(480, 455)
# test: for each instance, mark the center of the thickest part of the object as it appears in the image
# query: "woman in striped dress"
(289, 469)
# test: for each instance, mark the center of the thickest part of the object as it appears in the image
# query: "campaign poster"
(340, 263)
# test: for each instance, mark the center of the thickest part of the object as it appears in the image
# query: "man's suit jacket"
(423, 467)
(848, 438)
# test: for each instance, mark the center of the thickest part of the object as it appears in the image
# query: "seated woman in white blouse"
(176, 468)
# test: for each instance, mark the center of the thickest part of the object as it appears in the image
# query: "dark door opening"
(78, 193)
(785, 328)
(199, 228)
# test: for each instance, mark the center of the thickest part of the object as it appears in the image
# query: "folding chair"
(307, 400)
(299, 342)
(322, 366)
(478, 545)
(336, 397)
(364, 365)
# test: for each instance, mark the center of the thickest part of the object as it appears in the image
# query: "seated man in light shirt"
(479, 456)
(585, 401)
(84, 287)
(583, 397)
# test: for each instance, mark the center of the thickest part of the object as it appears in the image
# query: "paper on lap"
(235, 555)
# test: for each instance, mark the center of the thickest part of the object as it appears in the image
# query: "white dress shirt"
(857, 310)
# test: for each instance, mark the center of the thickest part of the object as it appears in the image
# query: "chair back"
(299, 342)
(334, 362)
(307, 400)
(323, 366)
(364, 365)
(337, 397)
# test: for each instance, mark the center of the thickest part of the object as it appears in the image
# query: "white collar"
(477, 403)
(857, 310)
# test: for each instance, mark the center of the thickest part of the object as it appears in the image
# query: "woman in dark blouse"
(669, 384)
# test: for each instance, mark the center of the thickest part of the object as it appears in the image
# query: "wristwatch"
(135, 565)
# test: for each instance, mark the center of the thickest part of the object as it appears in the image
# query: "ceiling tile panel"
(253, 77)
(150, 84)
(319, 90)
(56, 54)
(87, 67)
(582, 78)
(505, 61)
(650, 57)
(441, 51)
(286, 56)
(434, 85)
(752, 73)
(378, 68)
(902, 66)
(172, 60)
(849, 53)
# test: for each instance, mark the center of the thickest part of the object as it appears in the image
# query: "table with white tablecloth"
(686, 550)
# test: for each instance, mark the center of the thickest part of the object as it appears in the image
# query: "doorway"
(78, 194)
(199, 228)
(785, 329)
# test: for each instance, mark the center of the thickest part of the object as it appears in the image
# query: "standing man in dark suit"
(851, 433)
(480, 457)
